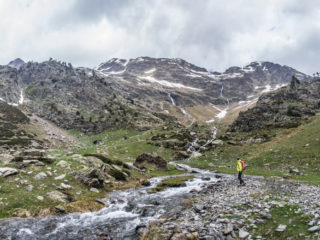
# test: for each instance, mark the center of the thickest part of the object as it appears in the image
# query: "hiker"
(240, 169)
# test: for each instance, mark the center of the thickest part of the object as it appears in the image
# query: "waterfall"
(172, 100)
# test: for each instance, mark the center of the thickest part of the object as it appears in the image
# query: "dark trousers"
(240, 177)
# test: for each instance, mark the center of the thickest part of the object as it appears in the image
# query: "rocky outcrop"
(6, 171)
(227, 211)
(13, 124)
(192, 85)
(150, 161)
(90, 177)
(137, 93)
(284, 108)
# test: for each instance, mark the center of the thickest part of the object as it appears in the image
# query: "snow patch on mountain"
(150, 71)
(266, 89)
(222, 114)
(167, 84)
(210, 121)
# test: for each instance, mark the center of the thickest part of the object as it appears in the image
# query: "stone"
(266, 216)
(180, 155)
(22, 213)
(150, 161)
(195, 155)
(94, 190)
(29, 188)
(6, 171)
(32, 153)
(314, 229)
(60, 209)
(60, 177)
(311, 223)
(63, 164)
(40, 176)
(228, 229)
(281, 228)
(65, 186)
(194, 190)
(243, 234)
(206, 178)
(217, 142)
(91, 177)
(58, 196)
(145, 182)
(294, 171)
(40, 198)
(6, 158)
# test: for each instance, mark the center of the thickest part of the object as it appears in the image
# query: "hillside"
(72, 137)
(285, 108)
(71, 98)
(139, 93)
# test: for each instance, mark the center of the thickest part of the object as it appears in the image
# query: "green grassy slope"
(296, 147)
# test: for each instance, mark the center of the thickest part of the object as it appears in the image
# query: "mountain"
(73, 98)
(174, 85)
(17, 63)
(139, 93)
(285, 108)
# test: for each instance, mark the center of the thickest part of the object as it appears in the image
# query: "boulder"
(91, 161)
(60, 209)
(228, 229)
(65, 186)
(32, 153)
(314, 229)
(60, 177)
(243, 234)
(58, 196)
(281, 228)
(91, 177)
(6, 158)
(145, 182)
(173, 143)
(217, 142)
(40, 198)
(94, 190)
(6, 171)
(294, 171)
(196, 155)
(40, 176)
(150, 161)
(181, 155)
(63, 164)
(118, 174)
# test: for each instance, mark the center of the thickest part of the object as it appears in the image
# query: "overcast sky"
(214, 34)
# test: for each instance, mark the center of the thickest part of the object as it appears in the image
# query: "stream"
(127, 212)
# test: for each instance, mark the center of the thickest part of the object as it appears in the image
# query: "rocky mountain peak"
(17, 63)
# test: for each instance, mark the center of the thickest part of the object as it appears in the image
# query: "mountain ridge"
(169, 87)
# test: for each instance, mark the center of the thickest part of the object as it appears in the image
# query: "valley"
(72, 138)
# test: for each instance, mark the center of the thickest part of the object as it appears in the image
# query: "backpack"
(243, 165)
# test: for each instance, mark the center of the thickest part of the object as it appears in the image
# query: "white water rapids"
(125, 213)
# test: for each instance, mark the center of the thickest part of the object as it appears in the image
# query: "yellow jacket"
(239, 166)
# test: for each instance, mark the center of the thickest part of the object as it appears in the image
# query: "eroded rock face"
(6, 171)
(12, 121)
(148, 161)
(284, 108)
(91, 177)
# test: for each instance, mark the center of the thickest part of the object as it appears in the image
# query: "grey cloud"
(211, 33)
